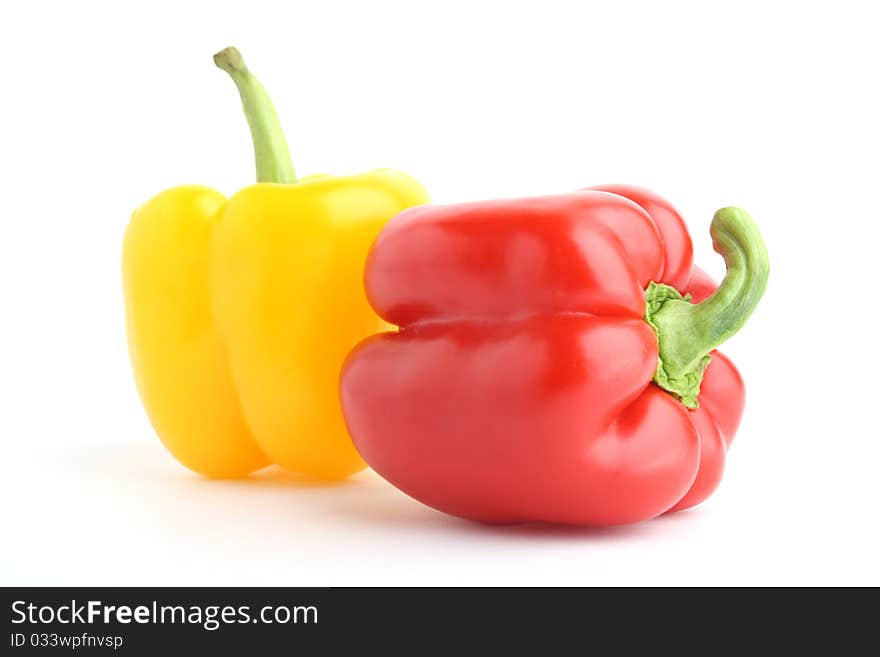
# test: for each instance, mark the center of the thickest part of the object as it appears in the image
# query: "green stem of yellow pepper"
(270, 146)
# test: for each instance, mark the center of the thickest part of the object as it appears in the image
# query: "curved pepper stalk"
(686, 332)
(270, 147)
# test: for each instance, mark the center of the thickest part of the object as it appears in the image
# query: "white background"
(767, 105)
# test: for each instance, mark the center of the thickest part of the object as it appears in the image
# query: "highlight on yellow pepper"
(241, 311)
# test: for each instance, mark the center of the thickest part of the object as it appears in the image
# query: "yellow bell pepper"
(240, 311)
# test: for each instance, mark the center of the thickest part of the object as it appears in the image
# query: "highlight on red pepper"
(555, 360)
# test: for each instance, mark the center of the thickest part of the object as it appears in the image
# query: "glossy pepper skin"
(521, 383)
(240, 311)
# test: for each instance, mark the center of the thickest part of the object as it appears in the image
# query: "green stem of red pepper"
(270, 147)
(686, 332)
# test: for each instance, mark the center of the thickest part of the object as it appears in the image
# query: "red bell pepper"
(547, 367)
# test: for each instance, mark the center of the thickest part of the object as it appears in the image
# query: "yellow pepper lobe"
(287, 292)
(177, 354)
(240, 313)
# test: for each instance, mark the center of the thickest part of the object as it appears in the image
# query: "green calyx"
(270, 147)
(687, 332)
(683, 382)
